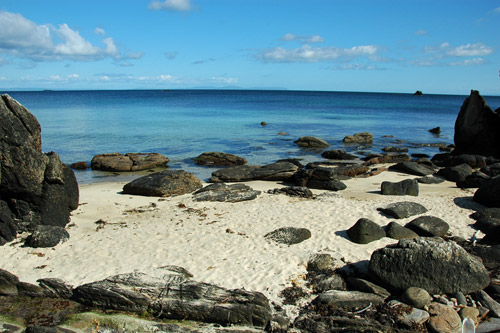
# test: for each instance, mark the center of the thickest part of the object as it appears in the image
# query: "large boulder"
(117, 162)
(432, 264)
(164, 184)
(488, 194)
(219, 159)
(477, 128)
(275, 172)
(38, 188)
(174, 296)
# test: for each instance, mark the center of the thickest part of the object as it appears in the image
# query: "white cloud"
(99, 31)
(302, 39)
(306, 53)
(224, 80)
(355, 67)
(174, 5)
(468, 62)
(496, 11)
(421, 33)
(3, 78)
(470, 50)
(25, 39)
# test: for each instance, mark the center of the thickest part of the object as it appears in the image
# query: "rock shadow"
(467, 203)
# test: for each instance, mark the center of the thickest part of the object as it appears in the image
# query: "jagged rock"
(219, 159)
(477, 128)
(347, 299)
(429, 226)
(46, 236)
(337, 154)
(164, 183)
(405, 187)
(416, 297)
(172, 296)
(278, 171)
(311, 142)
(117, 162)
(443, 318)
(365, 231)
(396, 231)
(456, 173)
(488, 194)
(225, 193)
(56, 288)
(401, 210)
(413, 168)
(289, 235)
(428, 263)
(363, 137)
(294, 191)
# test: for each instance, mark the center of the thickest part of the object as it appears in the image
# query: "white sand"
(222, 243)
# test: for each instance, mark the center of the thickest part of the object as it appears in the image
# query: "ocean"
(182, 124)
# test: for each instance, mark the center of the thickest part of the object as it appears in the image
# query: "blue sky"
(435, 46)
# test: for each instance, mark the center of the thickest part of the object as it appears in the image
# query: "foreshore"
(223, 243)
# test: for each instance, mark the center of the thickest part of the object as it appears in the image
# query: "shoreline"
(223, 243)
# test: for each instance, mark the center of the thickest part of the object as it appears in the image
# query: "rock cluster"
(35, 188)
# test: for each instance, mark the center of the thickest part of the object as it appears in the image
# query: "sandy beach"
(223, 243)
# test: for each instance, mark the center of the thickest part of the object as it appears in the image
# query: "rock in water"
(432, 264)
(477, 128)
(129, 162)
(219, 159)
(164, 183)
(40, 188)
(311, 142)
(363, 137)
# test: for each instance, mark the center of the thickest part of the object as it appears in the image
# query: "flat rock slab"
(163, 184)
(117, 162)
(430, 180)
(219, 159)
(294, 191)
(401, 210)
(432, 264)
(289, 235)
(225, 193)
(275, 172)
(413, 168)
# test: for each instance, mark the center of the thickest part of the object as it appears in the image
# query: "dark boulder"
(435, 130)
(404, 187)
(430, 180)
(56, 288)
(477, 128)
(8, 230)
(391, 149)
(117, 162)
(418, 93)
(401, 210)
(486, 212)
(38, 187)
(225, 193)
(433, 264)
(365, 231)
(46, 236)
(488, 194)
(289, 235)
(294, 191)
(164, 183)
(429, 226)
(337, 154)
(357, 284)
(278, 171)
(387, 158)
(311, 142)
(490, 227)
(219, 159)
(491, 170)
(413, 168)
(359, 138)
(320, 178)
(456, 173)
(395, 231)
(173, 296)
(474, 180)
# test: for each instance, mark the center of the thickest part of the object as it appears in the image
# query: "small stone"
(469, 312)
(443, 318)
(417, 297)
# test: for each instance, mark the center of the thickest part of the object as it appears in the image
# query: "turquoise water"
(182, 124)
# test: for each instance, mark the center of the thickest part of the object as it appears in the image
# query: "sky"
(438, 46)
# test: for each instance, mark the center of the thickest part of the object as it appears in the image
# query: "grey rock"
(46, 236)
(428, 263)
(8, 283)
(416, 297)
(396, 231)
(488, 326)
(30, 290)
(405, 187)
(278, 171)
(322, 262)
(294, 191)
(363, 137)
(164, 183)
(488, 194)
(354, 283)
(413, 168)
(311, 142)
(443, 318)
(347, 299)
(456, 173)
(429, 226)
(219, 159)
(401, 210)
(8, 230)
(365, 231)
(477, 128)
(117, 162)
(225, 193)
(171, 296)
(289, 235)
(430, 180)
